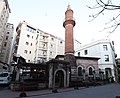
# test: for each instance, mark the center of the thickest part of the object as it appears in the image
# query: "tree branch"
(106, 6)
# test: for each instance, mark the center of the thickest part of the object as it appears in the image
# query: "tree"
(104, 5)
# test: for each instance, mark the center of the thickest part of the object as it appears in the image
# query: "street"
(104, 91)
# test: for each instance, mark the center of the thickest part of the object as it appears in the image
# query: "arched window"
(80, 73)
(90, 71)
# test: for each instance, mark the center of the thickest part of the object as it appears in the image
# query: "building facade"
(35, 45)
(47, 47)
(25, 41)
(103, 49)
(118, 70)
(4, 15)
(7, 44)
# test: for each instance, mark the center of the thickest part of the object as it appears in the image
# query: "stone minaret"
(68, 24)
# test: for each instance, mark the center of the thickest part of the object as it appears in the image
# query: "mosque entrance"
(59, 79)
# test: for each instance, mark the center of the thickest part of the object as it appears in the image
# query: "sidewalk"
(16, 94)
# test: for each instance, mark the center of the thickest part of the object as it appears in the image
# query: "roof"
(78, 57)
(33, 65)
(58, 61)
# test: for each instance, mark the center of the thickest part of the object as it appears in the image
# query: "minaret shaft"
(69, 45)
(68, 24)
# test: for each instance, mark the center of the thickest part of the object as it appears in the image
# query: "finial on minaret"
(68, 7)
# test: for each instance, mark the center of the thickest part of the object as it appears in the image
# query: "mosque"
(64, 69)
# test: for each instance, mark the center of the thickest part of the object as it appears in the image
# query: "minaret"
(68, 24)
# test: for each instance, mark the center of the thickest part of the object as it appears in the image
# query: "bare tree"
(108, 5)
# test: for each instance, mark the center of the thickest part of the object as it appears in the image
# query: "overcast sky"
(48, 15)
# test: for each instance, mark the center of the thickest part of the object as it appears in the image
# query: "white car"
(5, 78)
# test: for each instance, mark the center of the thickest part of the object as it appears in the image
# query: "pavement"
(6, 93)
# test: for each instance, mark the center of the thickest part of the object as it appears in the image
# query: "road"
(104, 91)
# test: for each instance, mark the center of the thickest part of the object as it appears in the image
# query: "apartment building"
(7, 44)
(103, 49)
(35, 45)
(47, 47)
(25, 41)
(4, 15)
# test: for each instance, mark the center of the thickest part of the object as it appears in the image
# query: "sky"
(48, 16)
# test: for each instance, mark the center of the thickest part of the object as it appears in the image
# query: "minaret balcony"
(69, 21)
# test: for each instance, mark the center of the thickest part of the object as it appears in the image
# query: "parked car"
(5, 78)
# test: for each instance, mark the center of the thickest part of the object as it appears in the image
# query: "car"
(5, 78)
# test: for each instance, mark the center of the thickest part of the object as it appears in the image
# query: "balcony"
(69, 21)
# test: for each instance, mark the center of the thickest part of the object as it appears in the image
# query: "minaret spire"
(68, 7)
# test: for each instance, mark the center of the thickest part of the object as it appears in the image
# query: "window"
(51, 45)
(32, 37)
(61, 42)
(43, 37)
(7, 32)
(78, 53)
(27, 43)
(90, 71)
(105, 47)
(106, 58)
(5, 44)
(30, 52)
(85, 52)
(31, 44)
(52, 39)
(50, 53)
(28, 35)
(25, 51)
(30, 29)
(80, 73)
(6, 37)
